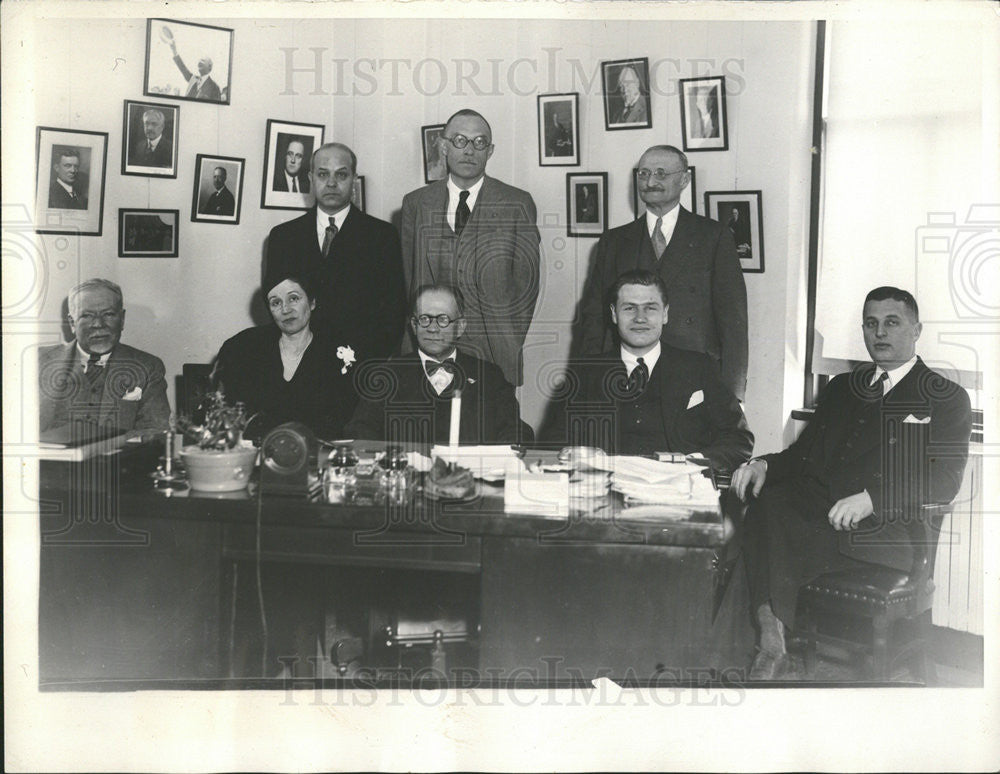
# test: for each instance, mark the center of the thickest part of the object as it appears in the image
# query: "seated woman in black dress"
(287, 372)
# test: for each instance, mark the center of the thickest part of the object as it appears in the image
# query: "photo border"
(223, 88)
(67, 222)
(755, 200)
(232, 220)
(559, 161)
(698, 145)
(167, 172)
(123, 253)
(572, 226)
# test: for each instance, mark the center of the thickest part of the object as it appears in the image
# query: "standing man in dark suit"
(479, 235)
(222, 201)
(95, 385)
(696, 259)
(153, 150)
(409, 398)
(887, 438)
(645, 396)
(64, 193)
(360, 298)
(290, 176)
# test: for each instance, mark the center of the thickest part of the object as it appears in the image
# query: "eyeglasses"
(482, 142)
(443, 320)
(659, 173)
(89, 318)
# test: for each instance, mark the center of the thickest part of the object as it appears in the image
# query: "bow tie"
(433, 366)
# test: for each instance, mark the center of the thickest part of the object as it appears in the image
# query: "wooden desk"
(134, 584)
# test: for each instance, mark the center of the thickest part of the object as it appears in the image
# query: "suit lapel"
(681, 243)
(434, 217)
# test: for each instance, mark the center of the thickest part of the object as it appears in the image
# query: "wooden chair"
(896, 605)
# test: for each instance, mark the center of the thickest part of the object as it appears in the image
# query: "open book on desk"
(67, 444)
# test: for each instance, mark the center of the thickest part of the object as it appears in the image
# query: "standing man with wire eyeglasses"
(696, 258)
(409, 399)
(479, 235)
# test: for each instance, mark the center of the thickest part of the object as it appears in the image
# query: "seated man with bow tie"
(96, 386)
(646, 396)
(886, 438)
(408, 399)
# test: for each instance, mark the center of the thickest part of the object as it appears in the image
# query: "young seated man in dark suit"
(885, 439)
(646, 396)
(409, 398)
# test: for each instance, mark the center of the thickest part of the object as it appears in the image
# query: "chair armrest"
(923, 530)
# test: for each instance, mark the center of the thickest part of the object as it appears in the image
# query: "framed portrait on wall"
(147, 233)
(149, 139)
(586, 204)
(626, 94)
(558, 130)
(358, 192)
(69, 181)
(288, 150)
(188, 61)
(703, 114)
(218, 189)
(741, 212)
(435, 166)
(689, 198)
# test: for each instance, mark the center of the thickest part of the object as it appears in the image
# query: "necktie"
(659, 243)
(295, 185)
(433, 366)
(149, 148)
(331, 232)
(639, 377)
(462, 213)
(94, 367)
(879, 385)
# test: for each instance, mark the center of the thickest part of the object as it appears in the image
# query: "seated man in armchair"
(886, 438)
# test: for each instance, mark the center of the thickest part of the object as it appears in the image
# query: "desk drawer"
(349, 547)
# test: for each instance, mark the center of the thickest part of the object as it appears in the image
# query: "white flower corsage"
(347, 355)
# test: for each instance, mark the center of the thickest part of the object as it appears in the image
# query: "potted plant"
(218, 461)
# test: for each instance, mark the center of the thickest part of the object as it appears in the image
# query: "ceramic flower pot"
(210, 470)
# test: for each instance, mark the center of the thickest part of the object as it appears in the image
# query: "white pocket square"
(696, 399)
(914, 421)
(134, 394)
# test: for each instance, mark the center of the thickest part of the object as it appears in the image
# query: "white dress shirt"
(442, 377)
(668, 225)
(895, 375)
(85, 357)
(454, 191)
(323, 221)
(650, 358)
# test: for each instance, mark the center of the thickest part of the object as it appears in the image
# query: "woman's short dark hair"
(303, 279)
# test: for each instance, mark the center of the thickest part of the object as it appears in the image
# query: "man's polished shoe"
(768, 666)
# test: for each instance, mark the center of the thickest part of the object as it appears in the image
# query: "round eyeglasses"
(443, 320)
(482, 142)
(659, 173)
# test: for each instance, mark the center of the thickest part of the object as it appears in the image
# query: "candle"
(453, 428)
(168, 452)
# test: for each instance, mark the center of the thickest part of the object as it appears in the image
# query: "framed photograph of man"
(586, 204)
(703, 114)
(558, 130)
(358, 192)
(149, 139)
(218, 189)
(742, 214)
(69, 181)
(147, 233)
(288, 151)
(435, 166)
(626, 94)
(689, 198)
(188, 61)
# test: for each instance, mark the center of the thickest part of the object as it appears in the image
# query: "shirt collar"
(154, 143)
(650, 358)
(84, 357)
(669, 221)
(323, 220)
(454, 191)
(424, 357)
(895, 375)
(68, 188)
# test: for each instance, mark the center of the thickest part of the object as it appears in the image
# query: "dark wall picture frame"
(70, 166)
(626, 94)
(147, 233)
(212, 203)
(586, 203)
(288, 150)
(358, 192)
(188, 61)
(150, 132)
(689, 196)
(435, 166)
(742, 213)
(559, 130)
(704, 118)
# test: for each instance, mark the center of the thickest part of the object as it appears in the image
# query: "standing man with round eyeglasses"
(408, 399)
(697, 260)
(478, 234)
(352, 257)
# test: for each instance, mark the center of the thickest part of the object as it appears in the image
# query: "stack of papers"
(669, 483)
(486, 462)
